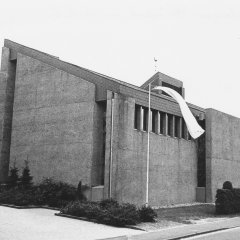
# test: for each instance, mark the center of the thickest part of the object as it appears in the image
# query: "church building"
(73, 124)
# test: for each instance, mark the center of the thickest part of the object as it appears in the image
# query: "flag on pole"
(192, 125)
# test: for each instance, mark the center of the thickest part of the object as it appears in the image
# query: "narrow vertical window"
(137, 117)
(183, 129)
(170, 125)
(177, 127)
(154, 121)
(163, 123)
(145, 118)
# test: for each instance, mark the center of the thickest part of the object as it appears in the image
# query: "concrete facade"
(222, 151)
(173, 161)
(73, 124)
(52, 123)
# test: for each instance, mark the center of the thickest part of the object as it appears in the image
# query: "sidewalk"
(42, 224)
(184, 231)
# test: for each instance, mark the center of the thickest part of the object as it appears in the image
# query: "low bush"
(227, 185)
(110, 212)
(108, 203)
(147, 214)
(20, 197)
(48, 192)
(26, 178)
(56, 194)
(227, 201)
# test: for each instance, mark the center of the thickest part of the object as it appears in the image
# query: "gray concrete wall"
(222, 151)
(173, 162)
(53, 122)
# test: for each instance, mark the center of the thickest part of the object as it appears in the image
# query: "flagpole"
(148, 143)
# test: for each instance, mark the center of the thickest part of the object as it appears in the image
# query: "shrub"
(107, 203)
(49, 192)
(13, 177)
(77, 208)
(20, 197)
(80, 189)
(26, 178)
(227, 201)
(107, 211)
(56, 194)
(124, 214)
(224, 201)
(227, 185)
(147, 214)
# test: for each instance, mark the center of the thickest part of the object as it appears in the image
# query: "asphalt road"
(229, 234)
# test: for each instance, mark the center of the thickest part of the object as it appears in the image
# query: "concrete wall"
(53, 122)
(222, 151)
(173, 162)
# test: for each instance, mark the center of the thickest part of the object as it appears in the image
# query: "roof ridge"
(22, 48)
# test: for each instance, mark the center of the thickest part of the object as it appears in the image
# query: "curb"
(135, 237)
(28, 207)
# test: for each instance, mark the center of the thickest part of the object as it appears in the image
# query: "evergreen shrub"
(147, 214)
(13, 177)
(110, 212)
(227, 199)
(56, 193)
(48, 192)
(26, 178)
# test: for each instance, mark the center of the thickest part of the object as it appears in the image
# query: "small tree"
(13, 177)
(26, 178)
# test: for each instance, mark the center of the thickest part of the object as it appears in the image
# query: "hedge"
(48, 192)
(110, 212)
(227, 201)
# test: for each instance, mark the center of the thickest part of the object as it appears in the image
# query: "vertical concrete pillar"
(209, 154)
(150, 124)
(185, 131)
(123, 146)
(108, 144)
(7, 86)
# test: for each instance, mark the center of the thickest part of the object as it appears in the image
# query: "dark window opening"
(184, 131)
(101, 123)
(162, 122)
(145, 119)
(137, 117)
(201, 167)
(170, 125)
(154, 121)
(177, 127)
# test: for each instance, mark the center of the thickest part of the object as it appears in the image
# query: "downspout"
(111, 148)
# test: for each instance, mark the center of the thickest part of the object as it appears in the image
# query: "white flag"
(193, 127)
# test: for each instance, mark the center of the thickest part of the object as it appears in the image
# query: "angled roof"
(102, 82)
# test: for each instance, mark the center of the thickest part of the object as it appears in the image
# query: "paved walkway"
(42, 224)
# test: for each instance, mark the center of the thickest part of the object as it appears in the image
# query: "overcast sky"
(195, 41)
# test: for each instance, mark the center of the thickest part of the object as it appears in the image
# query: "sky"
(195, 41)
